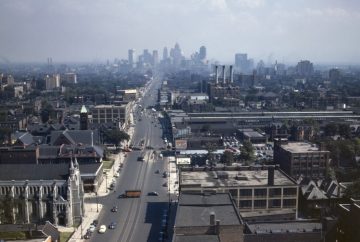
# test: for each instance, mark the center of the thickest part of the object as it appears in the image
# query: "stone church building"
(35, 193)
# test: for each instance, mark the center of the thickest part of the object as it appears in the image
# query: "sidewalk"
(92, 210)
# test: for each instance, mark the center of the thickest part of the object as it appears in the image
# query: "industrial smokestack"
(231, 74)
(216, 75)
(224, 76)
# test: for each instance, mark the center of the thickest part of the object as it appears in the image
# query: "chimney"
(217, 227)
(231, 74)
(271, 170)
(224, 76)
(212, 219)
(216, 75)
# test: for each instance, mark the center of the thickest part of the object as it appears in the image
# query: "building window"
(289, 203)
(274, 203)
(245, 193)
(261, 192)
(290, 191)
(245, 204)
(275, 192)
(260, 204)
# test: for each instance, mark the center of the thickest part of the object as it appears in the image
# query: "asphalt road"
(138, 219)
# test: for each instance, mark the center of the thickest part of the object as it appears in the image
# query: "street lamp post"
(106, 182)
(97, 202)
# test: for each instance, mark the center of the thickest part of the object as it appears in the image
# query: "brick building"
(301, 158)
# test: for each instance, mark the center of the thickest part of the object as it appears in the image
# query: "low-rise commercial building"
(260, 193)
(112, 113)
(301, 158)
(207, 217)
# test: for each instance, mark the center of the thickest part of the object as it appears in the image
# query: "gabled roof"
(311, 191)
(24, 138)
(50, 230)
(75, 137)
(34, 172)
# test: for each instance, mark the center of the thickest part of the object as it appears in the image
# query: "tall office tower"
(165, 53)
(241, 62)
(176, 54)
(334, 75)
(202, 53)
(155, 56)
(131, 57)
(305, 68)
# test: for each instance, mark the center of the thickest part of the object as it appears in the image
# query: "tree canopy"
(115, 136)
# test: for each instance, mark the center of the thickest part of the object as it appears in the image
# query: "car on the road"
(123, 195)
(114, 209)
(92, 228)
(95, 222)
(87, 235)
(165, 184)
(140, 158)
(157, 172)
(102, 229)
(153, 193)
(149, 147)
(112, 225)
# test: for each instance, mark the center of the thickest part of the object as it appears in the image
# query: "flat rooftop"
(301, 147)
(284, 227)
(236, 178)
(195, 210)
(197, 238)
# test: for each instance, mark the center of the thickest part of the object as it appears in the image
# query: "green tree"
(247, 152)
(210, 147)
(228, 157)
(344, 130)
(115, 136)
(331, 129)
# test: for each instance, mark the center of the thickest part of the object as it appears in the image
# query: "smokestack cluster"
(224, 81)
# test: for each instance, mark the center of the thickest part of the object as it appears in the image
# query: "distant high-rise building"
(70, 77)
(155, 57)
(165, 53)
(242, 63)
(304, 68)
(202, 53)
(131, 56)
(52, 82)
(176, 54)
(334, 75)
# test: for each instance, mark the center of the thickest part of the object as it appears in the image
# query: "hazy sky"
(87, 30)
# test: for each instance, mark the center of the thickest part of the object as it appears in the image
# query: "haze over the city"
(323, 31)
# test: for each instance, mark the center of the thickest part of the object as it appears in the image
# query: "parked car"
(95, 222)
(92, 228)
(87, 235)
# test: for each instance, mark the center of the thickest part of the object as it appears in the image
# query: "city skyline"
(323, 32)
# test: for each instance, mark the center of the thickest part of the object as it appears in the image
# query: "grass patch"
(107, 164)
(13, 235)
(65, 236)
